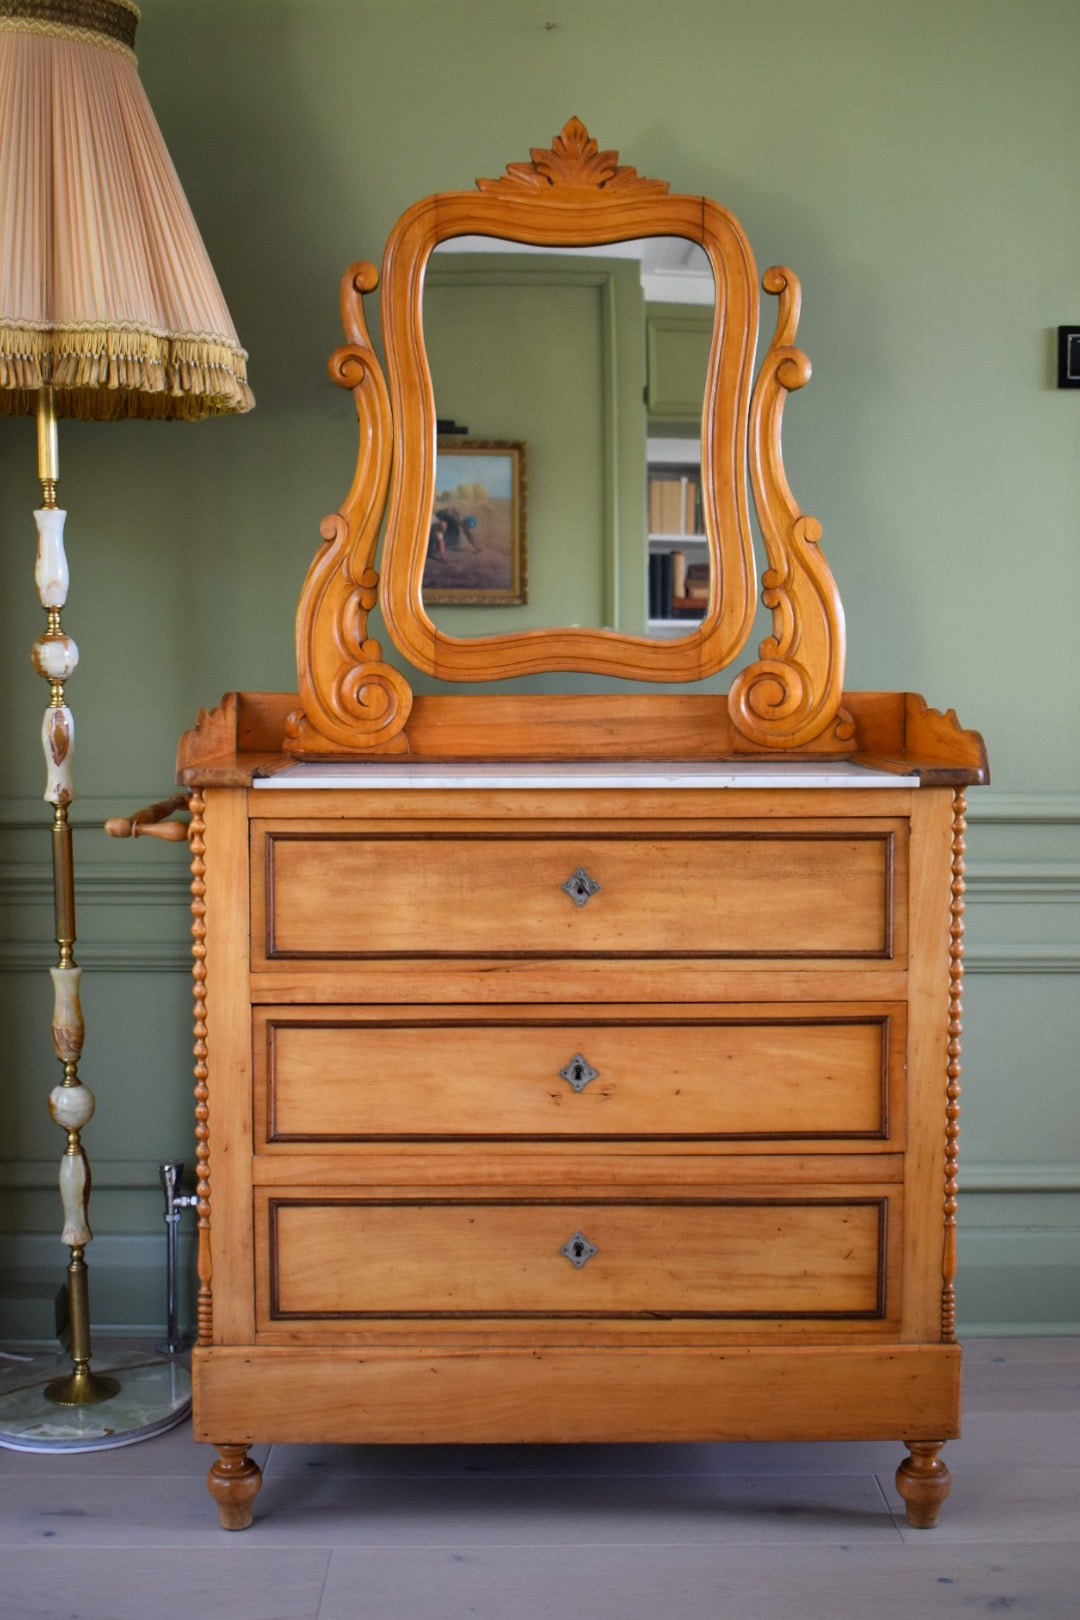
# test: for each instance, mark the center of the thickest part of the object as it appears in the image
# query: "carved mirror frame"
(573, 195)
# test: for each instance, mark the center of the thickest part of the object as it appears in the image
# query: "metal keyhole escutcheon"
(578, 1072)
(578, 1250)
(580, 887)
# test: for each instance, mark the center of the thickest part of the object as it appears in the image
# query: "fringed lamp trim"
(106, 373)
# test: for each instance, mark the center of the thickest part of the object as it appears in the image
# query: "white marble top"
(587, 774)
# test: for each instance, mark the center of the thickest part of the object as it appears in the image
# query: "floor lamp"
(109, 309)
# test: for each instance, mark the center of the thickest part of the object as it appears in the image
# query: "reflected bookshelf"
(678, 559)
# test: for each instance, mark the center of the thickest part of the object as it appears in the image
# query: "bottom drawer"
(801, 1256)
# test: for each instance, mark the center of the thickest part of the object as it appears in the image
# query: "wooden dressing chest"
(575, 1067)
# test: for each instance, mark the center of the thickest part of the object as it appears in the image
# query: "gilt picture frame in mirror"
(572, 194)
(476, 553)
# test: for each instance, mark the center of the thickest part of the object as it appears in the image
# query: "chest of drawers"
(547, 1100)
(579, 1105)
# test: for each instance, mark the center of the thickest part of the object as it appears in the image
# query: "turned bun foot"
(923, 1481)
(234, 1483)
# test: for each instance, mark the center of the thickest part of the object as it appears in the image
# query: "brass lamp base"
(148, 1395)
(81, 1388)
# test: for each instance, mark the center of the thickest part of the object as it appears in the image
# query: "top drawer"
(339, 892)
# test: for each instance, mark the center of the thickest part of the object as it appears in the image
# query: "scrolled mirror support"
(789, 698)
(352, 700)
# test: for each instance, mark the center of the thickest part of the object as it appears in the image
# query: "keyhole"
(578, 1072)
(580, 886)
(578, 1250)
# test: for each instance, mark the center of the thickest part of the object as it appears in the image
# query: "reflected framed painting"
(476, 551)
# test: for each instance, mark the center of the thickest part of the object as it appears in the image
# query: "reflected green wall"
(916, 164)
(551, 350)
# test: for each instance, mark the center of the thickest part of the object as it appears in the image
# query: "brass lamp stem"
(71, 1104)
(48, 447)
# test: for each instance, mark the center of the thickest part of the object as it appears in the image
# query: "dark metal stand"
(172, 1176)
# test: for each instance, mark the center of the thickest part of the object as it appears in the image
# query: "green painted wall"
(916, 164)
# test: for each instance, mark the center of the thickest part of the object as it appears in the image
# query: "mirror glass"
(568, 386)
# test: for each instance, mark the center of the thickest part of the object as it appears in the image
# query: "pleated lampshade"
(106, 291)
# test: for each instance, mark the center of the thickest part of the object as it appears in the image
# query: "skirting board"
(127, 1285)
(1024, 1282)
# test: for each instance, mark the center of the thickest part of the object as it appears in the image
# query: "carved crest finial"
(576, 162)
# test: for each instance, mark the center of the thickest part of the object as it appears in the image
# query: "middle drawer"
(830, 1073)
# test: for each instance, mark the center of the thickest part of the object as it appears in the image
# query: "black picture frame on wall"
(1068, 357)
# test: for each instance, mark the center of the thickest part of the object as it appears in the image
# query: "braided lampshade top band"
(112, 21)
